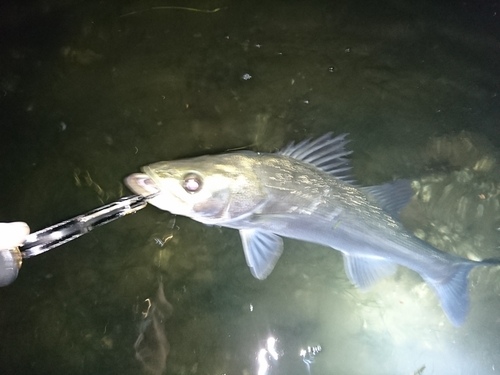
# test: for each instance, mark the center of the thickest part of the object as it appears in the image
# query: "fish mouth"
(142, 184)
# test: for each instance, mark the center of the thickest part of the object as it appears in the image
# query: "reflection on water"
(267, 357)
(151, 346)
(308, 356)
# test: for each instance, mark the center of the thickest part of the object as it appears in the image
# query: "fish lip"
(142, 184)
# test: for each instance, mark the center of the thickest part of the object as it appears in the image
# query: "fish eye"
(192, 183)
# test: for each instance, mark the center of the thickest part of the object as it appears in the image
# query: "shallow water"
(90, 92)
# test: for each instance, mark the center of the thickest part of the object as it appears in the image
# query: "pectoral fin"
(364, 272)
(262, 251)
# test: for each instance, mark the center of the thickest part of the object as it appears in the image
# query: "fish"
(152, 346)
(306, 192)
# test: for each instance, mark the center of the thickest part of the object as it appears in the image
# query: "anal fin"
(363, 272)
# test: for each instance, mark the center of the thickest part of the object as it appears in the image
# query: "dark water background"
(91, 91)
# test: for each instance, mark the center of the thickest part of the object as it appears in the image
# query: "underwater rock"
(457, 202)
(463, 150)
(456, 208)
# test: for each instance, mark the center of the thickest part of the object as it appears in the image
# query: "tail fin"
(453, 292)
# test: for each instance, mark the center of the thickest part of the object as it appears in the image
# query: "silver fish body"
(305, 192)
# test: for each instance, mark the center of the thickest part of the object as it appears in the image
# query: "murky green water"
(89, 92)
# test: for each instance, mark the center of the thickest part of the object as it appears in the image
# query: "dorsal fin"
(325, 152)
(391, 196)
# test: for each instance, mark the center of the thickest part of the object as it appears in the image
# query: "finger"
(13, 234)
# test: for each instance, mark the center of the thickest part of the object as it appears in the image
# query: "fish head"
(214, 189)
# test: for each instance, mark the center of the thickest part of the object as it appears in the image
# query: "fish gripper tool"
(46, 239)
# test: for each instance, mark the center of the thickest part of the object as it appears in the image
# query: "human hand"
(13, 234)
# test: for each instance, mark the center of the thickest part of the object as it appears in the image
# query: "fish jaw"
(142, 184)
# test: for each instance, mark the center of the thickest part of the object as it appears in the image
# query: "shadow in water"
(151, 346)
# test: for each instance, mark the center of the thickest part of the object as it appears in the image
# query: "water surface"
(90, 92)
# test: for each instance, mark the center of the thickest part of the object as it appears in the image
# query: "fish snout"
(141, 184)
